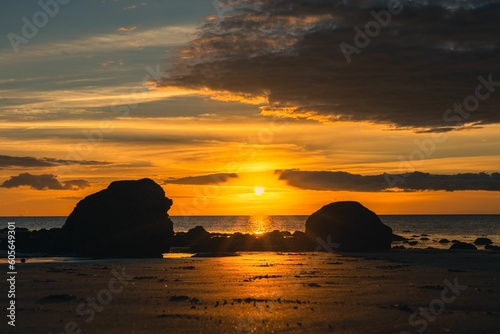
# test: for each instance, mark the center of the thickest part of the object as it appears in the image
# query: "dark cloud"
(43, 182)
(121, 136)
(415, 181)
(426, 60)
(10, 161)
(203, 179)
(70, 198)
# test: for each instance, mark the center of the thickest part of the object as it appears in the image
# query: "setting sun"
(259, 191)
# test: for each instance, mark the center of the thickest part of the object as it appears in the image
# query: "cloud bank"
(421, 64)
(344, 181)
(415, 181)
(43, 182)
(10, 161)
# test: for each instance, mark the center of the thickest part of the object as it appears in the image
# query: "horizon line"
(285, 215)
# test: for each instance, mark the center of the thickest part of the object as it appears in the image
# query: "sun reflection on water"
(259, 224)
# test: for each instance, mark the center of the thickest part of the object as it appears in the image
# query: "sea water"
(416, 227)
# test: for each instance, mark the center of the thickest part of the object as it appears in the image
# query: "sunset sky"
(252, 107)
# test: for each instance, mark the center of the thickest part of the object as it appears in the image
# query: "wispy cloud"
(159, 36)
(44, 102)
(135, 6)
(108, 63)
(127, 29)
(43, 182)
(10, 161)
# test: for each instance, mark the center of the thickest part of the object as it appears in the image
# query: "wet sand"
(432, 291)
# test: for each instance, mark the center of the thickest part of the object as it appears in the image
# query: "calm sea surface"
(460, 227)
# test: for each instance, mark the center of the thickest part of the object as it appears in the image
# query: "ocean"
(433, 227)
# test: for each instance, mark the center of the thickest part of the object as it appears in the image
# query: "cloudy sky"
(394, 104)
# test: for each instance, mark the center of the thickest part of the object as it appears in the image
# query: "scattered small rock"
(398, 266)
(458, 271)
(182, 316)
(215, 254)
(492, 247)
(53, 299)
(483, 241)
(180, 298)
(396, 237)
(143, 277)
(263, 277)
(432, 287)
(463, 246)
(400, 307)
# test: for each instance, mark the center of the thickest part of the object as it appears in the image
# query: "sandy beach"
(402, 291)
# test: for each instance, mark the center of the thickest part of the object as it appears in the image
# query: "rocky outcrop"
(483, 241)
(348, 226)
(198, 235)
(128, 219)
(463, 246)
(198, 240)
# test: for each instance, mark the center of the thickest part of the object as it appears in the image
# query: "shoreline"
(261, 292)
(182, 253)
(41, 243)
(417, 234)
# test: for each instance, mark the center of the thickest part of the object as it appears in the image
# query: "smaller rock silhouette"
(348, 226)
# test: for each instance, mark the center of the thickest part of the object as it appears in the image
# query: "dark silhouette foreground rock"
(128, 219)
(349, 224)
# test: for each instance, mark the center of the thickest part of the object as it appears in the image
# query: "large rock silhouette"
(128, 219)
(348, 226)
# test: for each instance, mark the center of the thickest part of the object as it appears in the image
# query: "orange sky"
(353, 147)
(144, 92)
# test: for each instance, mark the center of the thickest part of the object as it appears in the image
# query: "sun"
(259, 191)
